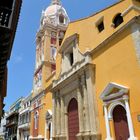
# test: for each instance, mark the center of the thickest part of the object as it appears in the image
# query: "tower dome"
(55, 14)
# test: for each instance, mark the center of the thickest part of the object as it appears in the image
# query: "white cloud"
(18, 59)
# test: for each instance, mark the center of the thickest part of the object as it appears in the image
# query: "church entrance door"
(120, 123)
(73, 119)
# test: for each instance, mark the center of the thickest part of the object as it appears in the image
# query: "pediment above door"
(113, 91)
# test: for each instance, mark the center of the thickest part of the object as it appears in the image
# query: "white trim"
(135, 29)
(99, 20)
(48, 114)
(36, 119)
(51, 131)
(108, 110)
(105, 94)
(108, 132)
(129, 9)
(111, 108)
(45, 130)
(115, 100)
(133, 138)
(32, 109)
(38, 137)
(129, 119)
(24, 110)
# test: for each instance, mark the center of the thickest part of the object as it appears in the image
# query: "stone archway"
(120, 123)
(73, 119)
(48, 128)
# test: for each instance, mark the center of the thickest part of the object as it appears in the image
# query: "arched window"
(117, 20)
(120, 123)
(49, 124)
(61, 18)
(36, 120)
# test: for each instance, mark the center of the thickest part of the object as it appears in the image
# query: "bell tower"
(53, 24)
(56, 2)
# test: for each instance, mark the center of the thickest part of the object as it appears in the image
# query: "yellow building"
(96, 86)
(54, 21)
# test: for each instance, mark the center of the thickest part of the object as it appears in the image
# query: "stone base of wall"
(88, 136)
(59, 138)
(81, 136)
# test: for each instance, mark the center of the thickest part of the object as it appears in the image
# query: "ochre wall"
(47, 100)
(117, 62)
(89, 37)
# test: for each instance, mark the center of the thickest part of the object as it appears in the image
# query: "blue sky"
(22, 62)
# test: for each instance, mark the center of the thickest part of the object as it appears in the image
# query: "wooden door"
(120, 123)
(73, 119)
(49, 132)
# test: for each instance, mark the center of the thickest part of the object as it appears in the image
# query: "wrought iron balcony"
(5, 17)
(11, 123)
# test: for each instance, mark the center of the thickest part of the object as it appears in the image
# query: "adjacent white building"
(2, 126)
(24, 119)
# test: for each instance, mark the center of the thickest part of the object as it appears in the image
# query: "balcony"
(5, 17)
(24, 126)
(9, 15)
(6, 21)
(11, 123)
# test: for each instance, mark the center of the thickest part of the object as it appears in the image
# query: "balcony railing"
(5, 16)
(11, 123)
(24, 125)
(24, 121)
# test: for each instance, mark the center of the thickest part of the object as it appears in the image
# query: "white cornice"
(25, 110)
(100, 19)
(48, 26)
(67, 42)
(107, 93)
(38, 137)
(131, 7)
(32, 109)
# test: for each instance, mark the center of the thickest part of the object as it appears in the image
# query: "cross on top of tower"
(57, 2)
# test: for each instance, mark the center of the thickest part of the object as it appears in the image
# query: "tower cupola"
(56, 2)
(55, 15)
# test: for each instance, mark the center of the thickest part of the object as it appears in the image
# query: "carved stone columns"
(85, 108)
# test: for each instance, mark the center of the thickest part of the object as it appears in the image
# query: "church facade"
(95, 90)
(87, 88)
